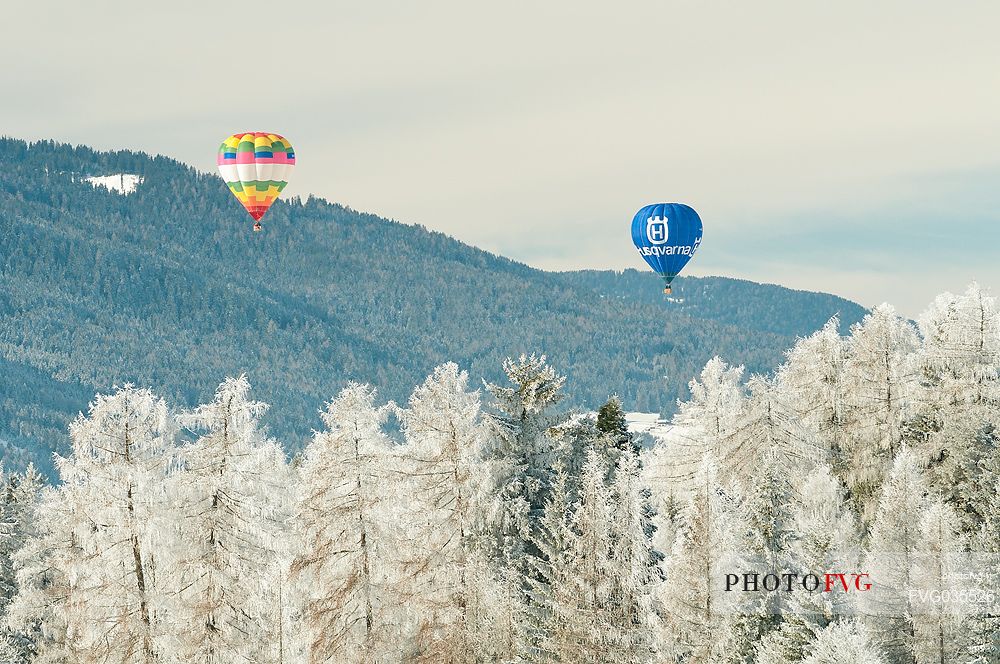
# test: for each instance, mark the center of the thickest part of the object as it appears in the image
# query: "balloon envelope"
(256, 166)
(666, 235)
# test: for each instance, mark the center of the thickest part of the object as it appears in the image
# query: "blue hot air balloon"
(666, 235)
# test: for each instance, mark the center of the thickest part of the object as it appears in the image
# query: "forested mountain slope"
(746, 304)
(167, 288)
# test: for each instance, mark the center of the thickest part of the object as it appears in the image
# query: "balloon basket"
(667, 290)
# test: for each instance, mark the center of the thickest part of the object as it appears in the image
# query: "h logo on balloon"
(656, 230)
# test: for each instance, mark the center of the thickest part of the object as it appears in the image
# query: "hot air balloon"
(666, 235)
(256, 166)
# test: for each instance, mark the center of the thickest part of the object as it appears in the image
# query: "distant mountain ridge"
(168, 288)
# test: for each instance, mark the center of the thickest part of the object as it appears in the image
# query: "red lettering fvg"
(832, 578)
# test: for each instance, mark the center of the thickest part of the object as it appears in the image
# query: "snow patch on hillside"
(123, 183)
(647, 423)
(649, 429)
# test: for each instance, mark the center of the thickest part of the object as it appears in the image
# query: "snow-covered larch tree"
(589, 548)
(495, 609)
(705, 419)
(983, 621)
(439, 466)
(812, 384)
(715, 399)
(956, 410)
(555, 624)
(634, 567)
(338, 570)
(229, 495)
(698, 620)
(597, 569)
(824, 538)
(953, 452)
(845, 642)
(959, 359)
(111, 494)
(765, 508)
(937, 570)
(893, 545)
(767, 431)
(879, 381)
(48, 567)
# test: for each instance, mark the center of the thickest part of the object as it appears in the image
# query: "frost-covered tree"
(769, 491)
(607, 434)
(957, 396)
(715, 398)
(554, 620)
(589, 540)
(94, 563)
(983, 621)
(982, 624)
(573, 439)
(495, 610)
(879, 383)
(120, 453)
(825, 532)
(824, 538)
(938, 629)
(597, 569)
(9, 539)
(812, 383)
(698, 613)
(229, 495)
(767, 431)
(18, 500)
(10, 652)
(634, 566)
(845, 642)
(959, 359)
(768, 534)
(520, 455)
(955, 428)
(955, 454)
(710, 414)
(894, 542)
(444, 481)
(47, 572)
(338, 569)
(666, 516)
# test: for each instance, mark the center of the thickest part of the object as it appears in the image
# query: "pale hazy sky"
(852, 147)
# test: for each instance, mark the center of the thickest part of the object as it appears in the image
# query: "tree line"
(493, 525)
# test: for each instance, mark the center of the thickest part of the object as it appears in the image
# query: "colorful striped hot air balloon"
(256, 166)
